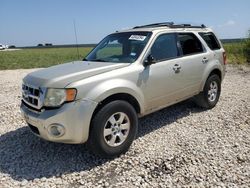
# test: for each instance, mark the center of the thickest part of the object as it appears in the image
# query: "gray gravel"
(180, 146)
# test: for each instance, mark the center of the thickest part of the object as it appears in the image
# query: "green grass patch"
(37, 58)
(236, 52)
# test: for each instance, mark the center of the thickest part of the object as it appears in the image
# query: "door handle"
(204, 60)
(177, 68)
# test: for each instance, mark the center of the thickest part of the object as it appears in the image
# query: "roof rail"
(187, 26)
(170, 25)
(155, 25)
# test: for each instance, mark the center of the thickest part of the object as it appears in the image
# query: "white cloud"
(230, 29)
(228, 23)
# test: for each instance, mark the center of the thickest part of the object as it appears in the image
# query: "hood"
(61, 75)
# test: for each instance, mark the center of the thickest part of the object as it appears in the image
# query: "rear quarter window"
(211, 40)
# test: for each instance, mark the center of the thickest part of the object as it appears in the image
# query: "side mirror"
(149, 61)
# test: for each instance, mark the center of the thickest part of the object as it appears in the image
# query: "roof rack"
(155, 25)
(170, 25)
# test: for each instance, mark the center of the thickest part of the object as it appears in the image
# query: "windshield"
(120, 47)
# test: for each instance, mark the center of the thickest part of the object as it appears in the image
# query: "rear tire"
(113, 129)
(210, 95)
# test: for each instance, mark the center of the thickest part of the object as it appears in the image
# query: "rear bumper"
(74, 118)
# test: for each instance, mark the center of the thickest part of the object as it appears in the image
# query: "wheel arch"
(119, 96)
(215, 70)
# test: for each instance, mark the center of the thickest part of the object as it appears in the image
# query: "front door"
(164, 78)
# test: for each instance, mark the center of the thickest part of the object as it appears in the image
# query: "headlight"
(56, 97)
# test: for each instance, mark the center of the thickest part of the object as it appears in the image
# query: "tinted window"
(211, 40)
(164, 47)
(190, 44)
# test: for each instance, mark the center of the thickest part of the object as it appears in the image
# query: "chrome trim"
(37, 95)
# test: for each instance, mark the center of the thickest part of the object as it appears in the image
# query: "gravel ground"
(180, 146)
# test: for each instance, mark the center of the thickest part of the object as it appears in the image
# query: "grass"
(236, 52)
(36, 58)
(45, 57)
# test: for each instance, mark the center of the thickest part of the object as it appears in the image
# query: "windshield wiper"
(98, 60)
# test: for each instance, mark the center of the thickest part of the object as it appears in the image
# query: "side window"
(190, 44)
(164, 47)
(211, 40)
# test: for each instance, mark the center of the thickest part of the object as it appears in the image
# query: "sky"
(30, 22)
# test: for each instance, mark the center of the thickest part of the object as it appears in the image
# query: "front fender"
(115, 86)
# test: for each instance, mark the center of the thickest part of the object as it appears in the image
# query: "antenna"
(78, 56)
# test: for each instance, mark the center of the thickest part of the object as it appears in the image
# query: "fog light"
(56, 130)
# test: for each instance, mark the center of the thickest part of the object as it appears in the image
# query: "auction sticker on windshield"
(137, 37)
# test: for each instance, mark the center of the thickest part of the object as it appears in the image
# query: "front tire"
(210, 95)
(113, 129)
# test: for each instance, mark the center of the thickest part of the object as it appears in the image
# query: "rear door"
(193, 61)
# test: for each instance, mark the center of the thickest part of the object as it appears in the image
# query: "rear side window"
(189, 43)
(165, 47)
(211, 40)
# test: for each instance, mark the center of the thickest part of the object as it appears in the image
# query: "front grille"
(31, 108)
(32, 96)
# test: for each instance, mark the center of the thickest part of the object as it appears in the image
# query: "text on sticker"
(137, 37)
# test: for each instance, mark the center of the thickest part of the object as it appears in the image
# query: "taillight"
(224, 58)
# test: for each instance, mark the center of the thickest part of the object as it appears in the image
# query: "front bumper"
(74, 117)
